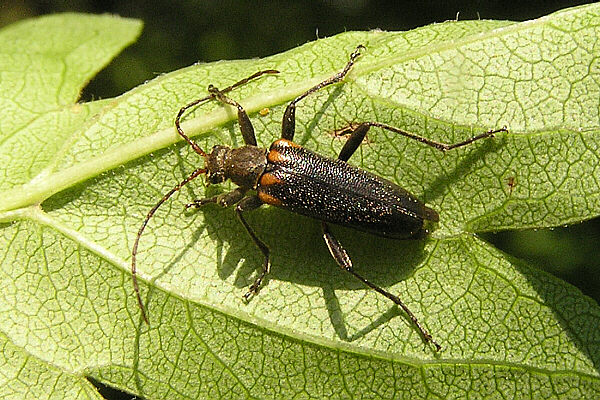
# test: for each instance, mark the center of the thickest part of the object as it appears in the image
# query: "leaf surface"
(74, 205)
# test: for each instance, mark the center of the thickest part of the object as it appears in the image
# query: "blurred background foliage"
(180, 33)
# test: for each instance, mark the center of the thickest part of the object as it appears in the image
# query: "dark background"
(180, 33)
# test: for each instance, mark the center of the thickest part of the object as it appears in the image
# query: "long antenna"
(166, 197)
(187, 180)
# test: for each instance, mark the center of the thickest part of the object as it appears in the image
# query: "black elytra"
(299, 180)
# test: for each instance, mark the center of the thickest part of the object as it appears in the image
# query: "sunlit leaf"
(78, 179)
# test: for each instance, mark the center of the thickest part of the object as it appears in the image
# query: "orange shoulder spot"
(284, 143)
(269, 179)
(275, 157)
(277, 150)
(268, 199)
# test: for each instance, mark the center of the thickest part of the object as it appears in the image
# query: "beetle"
(299, 180)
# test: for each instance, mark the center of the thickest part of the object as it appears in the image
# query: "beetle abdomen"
(304, 182)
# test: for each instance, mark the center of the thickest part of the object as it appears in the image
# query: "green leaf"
(74, 205)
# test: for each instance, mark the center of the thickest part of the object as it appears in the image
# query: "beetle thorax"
(243, 165)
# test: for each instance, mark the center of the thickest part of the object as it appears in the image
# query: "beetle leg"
(288, 125)
(213, 95)
(355, 139)
(249, 204)
(245, 125)
(343, 260)
(432, 143)
(358, 134)
(223, 199)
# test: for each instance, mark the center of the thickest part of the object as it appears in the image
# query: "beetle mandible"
(294, 178)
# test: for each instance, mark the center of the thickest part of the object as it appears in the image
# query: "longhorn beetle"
(294, 178)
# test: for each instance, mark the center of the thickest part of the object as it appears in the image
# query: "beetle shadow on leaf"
(326, 108)
(300, 256)
(336, 316)
(464, 167)
(384, 262)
